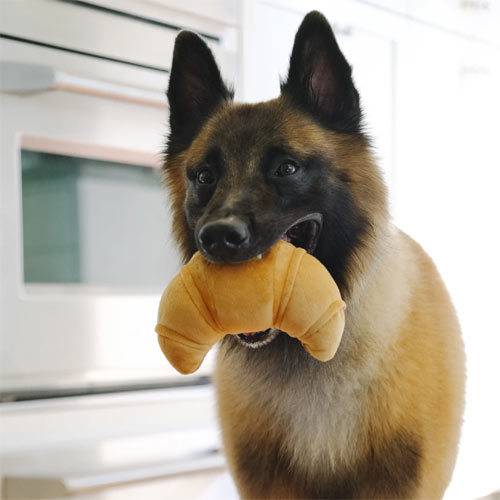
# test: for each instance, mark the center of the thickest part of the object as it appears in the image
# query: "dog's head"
(297, 167)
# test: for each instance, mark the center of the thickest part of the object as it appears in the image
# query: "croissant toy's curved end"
(325, 341)
(186, 358)
(184, 328)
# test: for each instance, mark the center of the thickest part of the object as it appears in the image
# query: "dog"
(381, 419)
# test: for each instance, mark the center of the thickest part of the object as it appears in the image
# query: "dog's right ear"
(319, 79)
(195, 90)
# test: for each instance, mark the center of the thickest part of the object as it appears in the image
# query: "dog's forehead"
(245, 132)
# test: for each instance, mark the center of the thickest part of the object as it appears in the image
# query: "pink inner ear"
(197, 91)
(323, 84)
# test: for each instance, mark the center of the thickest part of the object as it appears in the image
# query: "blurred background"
(89, 407)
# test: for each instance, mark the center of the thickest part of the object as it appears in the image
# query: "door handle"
(20, 77)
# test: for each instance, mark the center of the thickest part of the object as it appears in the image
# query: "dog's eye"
(286, 168)
(205, 176)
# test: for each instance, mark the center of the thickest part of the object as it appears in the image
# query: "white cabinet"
(472, 19)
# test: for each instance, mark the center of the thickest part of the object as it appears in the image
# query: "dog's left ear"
(195, 90)
(319, 79)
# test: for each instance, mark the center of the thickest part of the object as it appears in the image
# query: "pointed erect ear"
(195, 90)
(319, 79)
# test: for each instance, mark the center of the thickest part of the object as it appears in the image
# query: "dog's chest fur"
(303, 425)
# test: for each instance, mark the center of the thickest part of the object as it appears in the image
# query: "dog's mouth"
(258, 339)
(303, 233)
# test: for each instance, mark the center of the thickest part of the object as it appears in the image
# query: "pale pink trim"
(94, 151)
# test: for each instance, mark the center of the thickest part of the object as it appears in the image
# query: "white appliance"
(85, 232)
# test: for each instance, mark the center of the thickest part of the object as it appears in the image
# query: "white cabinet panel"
(479, 19)
(88, 30)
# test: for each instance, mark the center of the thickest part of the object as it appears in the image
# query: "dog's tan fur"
(382, 419)
(400, 365)
(401, 368)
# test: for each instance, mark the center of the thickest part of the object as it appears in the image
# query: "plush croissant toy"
(287, 289)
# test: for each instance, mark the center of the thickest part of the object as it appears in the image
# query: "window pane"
(93, 222)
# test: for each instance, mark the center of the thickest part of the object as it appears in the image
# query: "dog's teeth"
(259, 256)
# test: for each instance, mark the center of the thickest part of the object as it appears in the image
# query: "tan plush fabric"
(287, 289)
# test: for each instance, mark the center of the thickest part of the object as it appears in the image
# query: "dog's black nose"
(224, 238)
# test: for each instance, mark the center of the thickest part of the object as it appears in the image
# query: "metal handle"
(19, 77)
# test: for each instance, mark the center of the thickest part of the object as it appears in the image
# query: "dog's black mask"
(250, 175)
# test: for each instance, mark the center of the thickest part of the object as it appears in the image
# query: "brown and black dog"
(382, 418)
